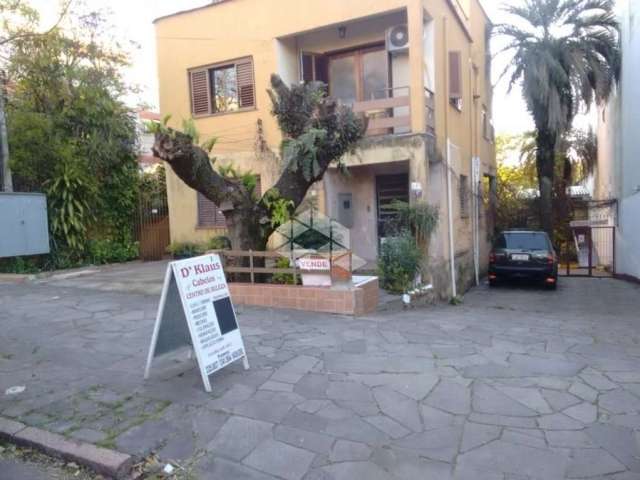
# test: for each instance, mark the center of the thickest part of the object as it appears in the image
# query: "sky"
(133, 21)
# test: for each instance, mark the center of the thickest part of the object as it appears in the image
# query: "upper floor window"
(221, 88)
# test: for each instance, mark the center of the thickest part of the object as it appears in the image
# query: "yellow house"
(419, 69)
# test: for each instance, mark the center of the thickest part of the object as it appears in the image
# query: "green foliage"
(70, 133)
(107, 250)
(283, 278)
(399, 263)
(420, 219)
(302, 153)
(153, 188)
(68, 196)
(219, 242)
(248, 179)
(185, 249)
(20, 265)
(280, 209)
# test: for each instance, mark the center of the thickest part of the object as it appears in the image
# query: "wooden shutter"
(209, 215)
(455, 75)
(200, 92)
(246, 84)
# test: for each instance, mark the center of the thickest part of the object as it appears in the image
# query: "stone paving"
(515, 384)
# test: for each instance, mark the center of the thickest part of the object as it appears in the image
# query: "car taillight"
(492, 257)
(550, 259)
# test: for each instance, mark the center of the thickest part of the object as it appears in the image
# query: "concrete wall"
(618, 171)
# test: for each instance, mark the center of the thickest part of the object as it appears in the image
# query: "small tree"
(317, 131)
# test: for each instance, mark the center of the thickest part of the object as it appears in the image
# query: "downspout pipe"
(452, 251)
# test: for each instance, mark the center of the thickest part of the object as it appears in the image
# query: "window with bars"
(463, 189)
(210, 215)
(221, 88)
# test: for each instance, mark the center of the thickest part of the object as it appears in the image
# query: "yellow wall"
(267, 30)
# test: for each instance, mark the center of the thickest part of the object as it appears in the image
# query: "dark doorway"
(389, 188)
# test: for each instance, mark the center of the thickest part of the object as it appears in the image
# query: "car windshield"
(523, 241)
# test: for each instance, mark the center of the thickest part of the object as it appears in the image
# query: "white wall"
(618, 173)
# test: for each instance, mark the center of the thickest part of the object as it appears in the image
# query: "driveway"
(514, 384)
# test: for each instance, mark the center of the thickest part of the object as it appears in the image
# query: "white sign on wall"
(196, 310)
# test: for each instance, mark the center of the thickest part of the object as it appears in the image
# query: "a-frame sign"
(195, 310)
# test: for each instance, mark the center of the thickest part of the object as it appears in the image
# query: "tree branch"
(191, 163)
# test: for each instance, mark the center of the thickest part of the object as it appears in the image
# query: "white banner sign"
(195, 295)
(314, 264)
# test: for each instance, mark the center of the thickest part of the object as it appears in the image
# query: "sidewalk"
(516, 383)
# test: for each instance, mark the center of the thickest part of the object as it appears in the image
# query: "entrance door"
(390, 188)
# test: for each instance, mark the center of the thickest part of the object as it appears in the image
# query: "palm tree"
(565, 55)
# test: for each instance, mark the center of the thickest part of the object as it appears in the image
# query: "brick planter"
(359, 299)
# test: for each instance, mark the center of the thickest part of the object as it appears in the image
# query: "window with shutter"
(455, 79)
(222, 87)
(200, 94)
(246, 84)
(210, 215)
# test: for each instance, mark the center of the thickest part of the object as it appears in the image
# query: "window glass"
(343, 80)
(526, 241)
(374, 66)
(225, 89)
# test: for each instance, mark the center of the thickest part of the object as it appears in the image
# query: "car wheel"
(493, 283)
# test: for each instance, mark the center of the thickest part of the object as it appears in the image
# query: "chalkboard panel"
(174, 330)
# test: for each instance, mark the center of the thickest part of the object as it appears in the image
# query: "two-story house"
(418, 69)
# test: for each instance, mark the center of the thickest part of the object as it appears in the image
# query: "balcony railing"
(388, 111)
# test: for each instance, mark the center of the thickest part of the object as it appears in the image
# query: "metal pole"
(7, 182)
(613, 251)
(251, 266)
(590, 251)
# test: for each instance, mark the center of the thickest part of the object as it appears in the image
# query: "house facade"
(617, 175)
(418, 69)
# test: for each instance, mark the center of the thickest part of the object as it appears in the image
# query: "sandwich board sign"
(196, 311)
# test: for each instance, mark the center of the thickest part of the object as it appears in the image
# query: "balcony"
(389, 111)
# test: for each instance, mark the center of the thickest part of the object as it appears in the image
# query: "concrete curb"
(105, 462)
(16, 277)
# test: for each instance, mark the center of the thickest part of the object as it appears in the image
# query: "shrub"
(107, 250)
(219, 242)
(185, 249)
(283, 278)
(398, 263)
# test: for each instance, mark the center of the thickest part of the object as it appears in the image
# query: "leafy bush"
(68, 194)
(22, 265)
(420, 219)
(398, 263)
(219, 242)
(107, 250)
(283, 278)
(185, 249)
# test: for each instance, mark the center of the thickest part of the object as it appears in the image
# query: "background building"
(618, 170)
(420, 70)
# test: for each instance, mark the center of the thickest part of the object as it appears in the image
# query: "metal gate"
(590, 251)
(152, 227)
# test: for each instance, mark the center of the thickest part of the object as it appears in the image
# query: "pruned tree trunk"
(317, 131)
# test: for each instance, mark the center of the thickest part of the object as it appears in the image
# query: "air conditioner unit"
(397, 39)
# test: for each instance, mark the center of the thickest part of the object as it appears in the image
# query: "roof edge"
(190, 10)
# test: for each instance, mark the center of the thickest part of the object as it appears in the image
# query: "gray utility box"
(24, 229)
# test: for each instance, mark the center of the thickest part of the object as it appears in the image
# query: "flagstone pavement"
(517, 383)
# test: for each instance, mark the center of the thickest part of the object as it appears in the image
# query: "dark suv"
(523, 254)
